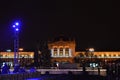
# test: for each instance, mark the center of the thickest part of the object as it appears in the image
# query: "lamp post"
(91, 50)
(16, 42)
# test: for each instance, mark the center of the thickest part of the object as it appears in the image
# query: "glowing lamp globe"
(16, 23)
(17, 29)
(13, 26)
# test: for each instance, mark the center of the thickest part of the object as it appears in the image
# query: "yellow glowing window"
(61, 51)
(109, 55)
(105, 55)
(67, 51)
(55, 51)
(114, 55)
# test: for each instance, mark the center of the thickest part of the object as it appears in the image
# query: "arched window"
(109, 55)
(118, 55)
(105, 55)
(114, 55)
(61, 52)
(100, 56)
(67, 52)
(55, 52)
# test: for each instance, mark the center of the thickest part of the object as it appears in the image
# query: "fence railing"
(19, 76)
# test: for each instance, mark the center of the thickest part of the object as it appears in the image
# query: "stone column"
(58, 52)
(52, 52)
(63, 52)
(70, 53)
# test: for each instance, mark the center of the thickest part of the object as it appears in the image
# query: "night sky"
(92, 23)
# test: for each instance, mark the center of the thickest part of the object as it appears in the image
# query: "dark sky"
(93, 23)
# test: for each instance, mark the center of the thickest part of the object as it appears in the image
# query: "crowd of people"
(5, 69)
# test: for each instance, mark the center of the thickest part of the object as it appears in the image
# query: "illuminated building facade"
(23, 57)
(64, 51)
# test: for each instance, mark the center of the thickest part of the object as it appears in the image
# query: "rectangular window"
(55, 52)
(67, 52)
(61, 51)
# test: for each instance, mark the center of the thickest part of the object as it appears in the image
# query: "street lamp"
(16, 42)
(91, 50)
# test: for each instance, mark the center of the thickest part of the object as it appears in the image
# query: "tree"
(76, 59)
(36, 57)
(79, 58)
(45, 57)
(87, 53)
(22, 62)
(0, 59)
(82, 58)
(42, 57)
(0, 63)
